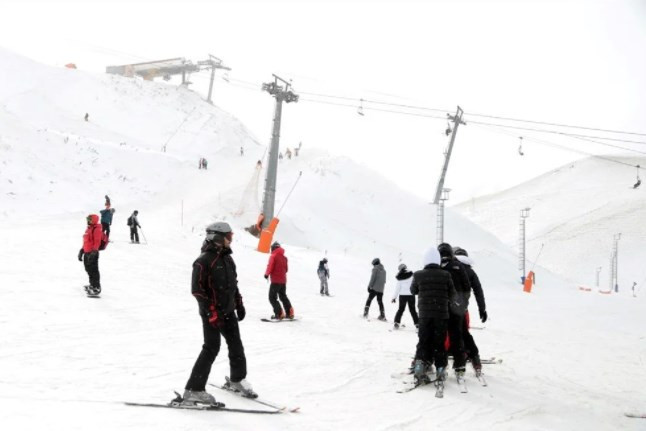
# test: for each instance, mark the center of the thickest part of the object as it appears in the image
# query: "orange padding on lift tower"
(529, 280)
(267, 235)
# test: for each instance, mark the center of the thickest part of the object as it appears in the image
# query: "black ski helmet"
(459, 251)
(402, 267)
(376, 261)
(216, 232)
(445, 249)
(275, 245)
(324, 260)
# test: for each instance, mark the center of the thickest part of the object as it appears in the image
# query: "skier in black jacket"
(215, 286)
(456, 316)
(435, 289)
(470, 347)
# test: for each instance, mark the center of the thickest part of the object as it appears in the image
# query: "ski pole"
(142, 234)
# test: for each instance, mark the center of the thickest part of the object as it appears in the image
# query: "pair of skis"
(178, 403)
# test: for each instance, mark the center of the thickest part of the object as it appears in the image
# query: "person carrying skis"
(376, 288)
(106, 219)
(277, 270)
(133, 222)
(402, 290)
(470, 347)
(435, 289)
(214, 284)
(89, 253)
(323, 272)
(458, 308)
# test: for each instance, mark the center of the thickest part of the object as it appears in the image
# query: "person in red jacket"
(277, 270)
(89, 254)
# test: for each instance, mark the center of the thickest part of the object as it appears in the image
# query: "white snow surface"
(571, 360)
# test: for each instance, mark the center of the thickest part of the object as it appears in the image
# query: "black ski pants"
(456, 337)
(403, 301)
(134, 234)
(379, 295)
(106, 228)
(91, 263)
(276, 291)
(470, 348)
(431, 337)
(237, 361)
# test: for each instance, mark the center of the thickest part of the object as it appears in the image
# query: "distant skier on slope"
(470, 347)
(436, 291)
(214, 285)
(89, 253)
(376, 288)
(277, 270)
(133, 222)
(403, 291)
(106, 218)
(323, 272)
(458, 309)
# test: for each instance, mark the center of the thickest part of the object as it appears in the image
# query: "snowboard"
(295, 319)
(90, 294)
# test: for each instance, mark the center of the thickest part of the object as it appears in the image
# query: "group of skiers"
(444, 287)
(96, 239)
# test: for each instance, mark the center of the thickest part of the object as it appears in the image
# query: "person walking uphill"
(277, 270)
(402, 290)
(133, 222)
(376, 288)
(214, 285)
(89, 253)
(323, 272)
(435, 289)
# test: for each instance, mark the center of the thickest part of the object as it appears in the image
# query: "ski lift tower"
(457, 120)
(614, 278)
(524, 213)
(281, 94)
(439, 232)
(214, 63)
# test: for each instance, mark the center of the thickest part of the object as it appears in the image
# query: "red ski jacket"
(92, 235)
(277, 266)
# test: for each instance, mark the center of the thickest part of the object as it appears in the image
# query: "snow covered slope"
(575, 211)
(571, 360)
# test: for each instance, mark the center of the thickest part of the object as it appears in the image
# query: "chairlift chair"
(520, 147)
(360, 108)
(639, 181)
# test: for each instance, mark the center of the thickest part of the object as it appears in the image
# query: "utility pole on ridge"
(281, 95)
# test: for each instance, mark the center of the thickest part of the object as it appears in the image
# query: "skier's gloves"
(266, 276)
(240, 311)
(212, 314)
(81, 255)
(483, 316)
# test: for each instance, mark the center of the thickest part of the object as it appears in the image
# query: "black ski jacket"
(435, 290)
(461, 282)
(477, 288)
(215, 280)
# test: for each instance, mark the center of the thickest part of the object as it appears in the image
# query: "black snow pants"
(371, 295)
(134, 234)
(91, 263)
(403, 301)
(279, 290)
(456, 337)
(210, 349)
(470, 348)
(106, 228)
(431, 337)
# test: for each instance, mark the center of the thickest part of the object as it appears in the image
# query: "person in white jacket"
(402, 290)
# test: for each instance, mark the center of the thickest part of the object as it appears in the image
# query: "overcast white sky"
(580, 63)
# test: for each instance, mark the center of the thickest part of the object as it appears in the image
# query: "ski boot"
(439, 382)
(280, 316)
(477, 365)
(243, 387)
(419, 371)
(396, 326)
(290, 315)
(382, 316)
(365, 312)
(192, 398)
